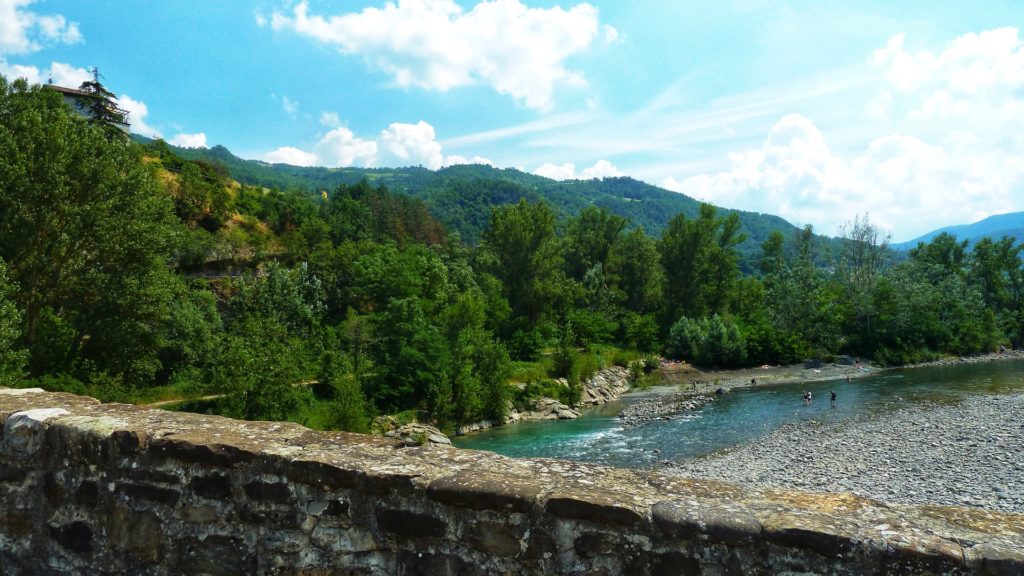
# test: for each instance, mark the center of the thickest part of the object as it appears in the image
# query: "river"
(740, 416)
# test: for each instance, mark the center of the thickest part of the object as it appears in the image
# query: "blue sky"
(910, 112)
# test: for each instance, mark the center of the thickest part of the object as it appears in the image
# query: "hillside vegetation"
(461, 196)
(129, 272)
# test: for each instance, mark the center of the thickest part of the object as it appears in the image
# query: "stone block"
(201, 514)
(213, 486)
(166, 496)
(433, 564)
(706, 522)
(200, 451)
(483, 491)
(215, 555)
(11, 474)
(74, 536)
(993, 560)
(268, 491)
(820, 533)
(87, 494)
(593, 506)
(496, 539)
(136, 533)
(24, 432)
(411, 524)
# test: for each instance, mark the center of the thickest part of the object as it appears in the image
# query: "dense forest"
(131, 273)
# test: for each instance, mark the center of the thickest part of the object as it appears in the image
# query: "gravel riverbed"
(968, 454)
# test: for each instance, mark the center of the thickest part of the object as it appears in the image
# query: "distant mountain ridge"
(462, 196)
(994, 227)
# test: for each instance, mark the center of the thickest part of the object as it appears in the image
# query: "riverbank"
(967, 454)
(690, 385)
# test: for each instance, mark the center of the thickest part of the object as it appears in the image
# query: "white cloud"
(456, 159)
(906, 184)
(289, 155)
(62, 74)
(330, 119)
(565, 171)
(189, 140)
(291, 107)
(600, 170)
(340, 147)
(948, 146)
(23, 31)
(412, 144)
(436, 45)
(399, 144)
(139, 111)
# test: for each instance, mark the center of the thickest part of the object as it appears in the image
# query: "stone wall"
(89, 488)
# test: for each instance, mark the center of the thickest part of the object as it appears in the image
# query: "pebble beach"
(967, 454)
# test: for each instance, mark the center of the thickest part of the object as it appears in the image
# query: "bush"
(707, 342)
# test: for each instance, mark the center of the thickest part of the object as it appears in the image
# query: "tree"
(636, 270)
(865, 252)
(700, 262)
(258, 368)
(102, 106)
(589, 239)
(87, 236)
(12, 359)
(521, 250)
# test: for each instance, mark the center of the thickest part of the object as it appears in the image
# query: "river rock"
(416, 434)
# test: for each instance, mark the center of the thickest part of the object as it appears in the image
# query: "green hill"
(994, 227)
(462, 196)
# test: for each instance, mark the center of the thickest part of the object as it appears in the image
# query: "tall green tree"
(700, 261)
(87, 236)
(589, 238)
(12, 358)
(520, 248)
(636, 270)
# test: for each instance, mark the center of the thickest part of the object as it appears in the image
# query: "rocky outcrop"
(416, 434)
(544, 409)
(606, 385)
(90, 488)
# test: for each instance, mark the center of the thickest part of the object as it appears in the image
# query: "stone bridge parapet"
(90, 488)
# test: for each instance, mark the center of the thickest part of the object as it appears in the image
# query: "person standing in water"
(833, 398)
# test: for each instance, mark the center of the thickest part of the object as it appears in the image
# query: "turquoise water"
(740, 416)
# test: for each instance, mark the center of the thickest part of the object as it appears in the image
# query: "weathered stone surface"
(592, 506)
(214, 486)
(74, 536)
(88, 493)
(415, 434)
(135, 533)
(11, 473)
(412, 524)
(818, 532)
(217, 555)
(24, 431)
(429, 564)
(691, 520)
(486, 491)
(199, 450)
(268, 491)
(116, 489)
(166, 496)
(496, 539)
(995, 560)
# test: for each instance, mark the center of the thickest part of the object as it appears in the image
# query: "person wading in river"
(833, 398)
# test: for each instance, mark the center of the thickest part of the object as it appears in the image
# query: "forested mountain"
(461, 196)
(993, 227)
